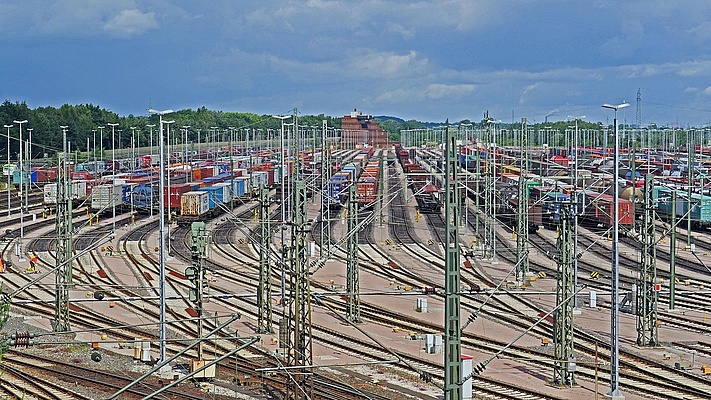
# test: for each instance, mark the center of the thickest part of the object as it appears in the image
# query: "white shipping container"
(226, 191)
(106, 196)
(79, 189)
(260, 178)
(50, 193)
(194, 203)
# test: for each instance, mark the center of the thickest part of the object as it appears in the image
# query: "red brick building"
(358, 129)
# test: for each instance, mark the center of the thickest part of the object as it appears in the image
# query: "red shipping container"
(176, 191)
(207, 172)
(604, 212)
(367, 190)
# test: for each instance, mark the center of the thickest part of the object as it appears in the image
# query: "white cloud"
(120, 18)
(439, 90)
(388, 64)
(131, 23)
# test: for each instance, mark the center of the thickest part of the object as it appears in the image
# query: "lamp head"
(615, 107)
(154, 111)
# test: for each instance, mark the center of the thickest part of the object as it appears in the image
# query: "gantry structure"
(646, 310)
(264, 291)
(564, 362)
(65, 245)
(452, 312)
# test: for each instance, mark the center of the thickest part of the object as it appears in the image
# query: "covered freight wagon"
(106, 196)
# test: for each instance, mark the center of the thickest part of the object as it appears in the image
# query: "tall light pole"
(21, 254)
(29, 170)
(94, 151)
(615, 280)
(113, 126)
(283, 207)
(577, 210)
(170, 210)
(133, 149)
(161, 247)
(198, 146)
(101, 145)
(9, 175)
(185, 151)
(214, 141)
(151, 145)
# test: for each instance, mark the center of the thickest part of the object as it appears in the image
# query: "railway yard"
(369, 243)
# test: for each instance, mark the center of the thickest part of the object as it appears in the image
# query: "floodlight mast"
(21, 252)
(614, 392)
(161, 234)
(577, 209)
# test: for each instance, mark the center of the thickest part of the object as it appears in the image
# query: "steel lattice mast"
(63, 228)
(452, 332)
(352, 277)
(325, 236)
(196, 274)
(489, 190)
(300, 338)
(563, 321)
(522, 264)
(264, 291)
(647, 330)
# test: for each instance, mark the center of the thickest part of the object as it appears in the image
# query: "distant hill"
(383, 118)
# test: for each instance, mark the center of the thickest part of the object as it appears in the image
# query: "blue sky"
(425, 60)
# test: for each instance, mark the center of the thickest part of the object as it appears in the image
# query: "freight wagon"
(194, 206)
(700, 206)
(337, 190)
(106, 197)
(598, 209)
(79, 192)
(551, 208)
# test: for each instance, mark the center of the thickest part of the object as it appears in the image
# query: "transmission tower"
(563, 318)
(264, 292)
(647, 331)
(452, 333)
(352, 278)
(522, 264)
(639, 109)
(300, 339)
(63, 228)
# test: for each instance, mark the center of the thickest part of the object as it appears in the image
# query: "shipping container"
(126, 191)
(367, 191)
(176, 191)
(145, 196)
(194, 204)
(218, 194)
(338, 189)
(259, 179)
(104, 197)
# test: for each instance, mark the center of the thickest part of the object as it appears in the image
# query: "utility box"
(683, 364)
(207, 373)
